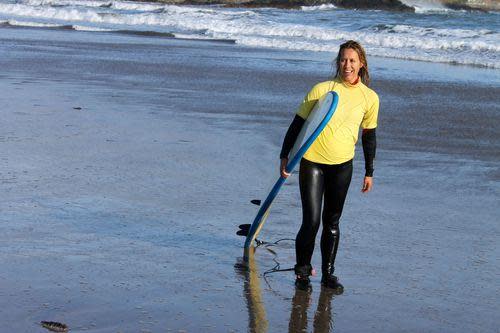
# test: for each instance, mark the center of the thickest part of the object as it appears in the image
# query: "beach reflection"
(301, 302)
(257, 319)
(323, 317)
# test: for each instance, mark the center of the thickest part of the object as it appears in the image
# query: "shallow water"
(121, 215)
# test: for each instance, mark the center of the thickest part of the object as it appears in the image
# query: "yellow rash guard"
(357, 106)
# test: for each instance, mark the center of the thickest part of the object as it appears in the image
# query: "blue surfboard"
(317, 120)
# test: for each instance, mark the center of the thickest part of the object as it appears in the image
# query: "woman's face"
(349, 65)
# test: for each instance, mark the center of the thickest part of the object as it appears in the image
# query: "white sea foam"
(371, 49)
(136, 6)
(426, 6)
(420, 31)
(49, 12)
(59, 3)
(320, 7)
(88, 28)
(118, 5)
(33, 24)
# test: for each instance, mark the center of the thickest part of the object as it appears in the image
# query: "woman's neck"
(354, 83)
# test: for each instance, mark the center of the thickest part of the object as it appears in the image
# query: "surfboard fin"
(256, 202)
(244, 229)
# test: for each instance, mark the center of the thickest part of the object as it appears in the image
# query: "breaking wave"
(318, 28)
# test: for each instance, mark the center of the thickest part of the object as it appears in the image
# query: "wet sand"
(121, 216)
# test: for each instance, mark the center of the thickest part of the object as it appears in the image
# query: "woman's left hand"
(367, 184)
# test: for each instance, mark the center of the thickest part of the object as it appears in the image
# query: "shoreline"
(415, 64)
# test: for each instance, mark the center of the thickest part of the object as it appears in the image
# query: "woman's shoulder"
(369, 92)
(327, 84)
(321, 88)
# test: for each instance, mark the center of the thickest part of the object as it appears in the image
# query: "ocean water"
(431, 34)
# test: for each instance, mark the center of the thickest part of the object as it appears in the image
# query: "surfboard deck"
(315, 123)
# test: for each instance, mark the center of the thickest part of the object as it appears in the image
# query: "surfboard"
(318, 118)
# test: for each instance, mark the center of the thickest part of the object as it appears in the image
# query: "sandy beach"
(126, 165)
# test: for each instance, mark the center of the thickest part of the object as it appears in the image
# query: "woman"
(326, 168)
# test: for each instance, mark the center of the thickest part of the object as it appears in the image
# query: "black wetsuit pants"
(321, 183)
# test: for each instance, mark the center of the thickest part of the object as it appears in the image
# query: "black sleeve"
(369, 140)
(291, 136)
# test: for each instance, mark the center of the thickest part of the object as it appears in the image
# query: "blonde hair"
(363, 71)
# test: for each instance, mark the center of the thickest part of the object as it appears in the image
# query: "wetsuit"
(326, 168)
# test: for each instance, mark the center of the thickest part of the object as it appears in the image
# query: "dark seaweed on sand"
(54, 326)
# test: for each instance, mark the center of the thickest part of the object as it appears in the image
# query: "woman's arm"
(288, 142)
(369, 140)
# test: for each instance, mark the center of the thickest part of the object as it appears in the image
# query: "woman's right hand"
(284, 162)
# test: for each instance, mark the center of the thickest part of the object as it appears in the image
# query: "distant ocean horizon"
(432, 34)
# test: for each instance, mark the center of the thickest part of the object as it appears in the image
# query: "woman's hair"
(363, 71)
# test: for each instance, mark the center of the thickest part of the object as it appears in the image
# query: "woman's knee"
(309, 229)
(331, 221)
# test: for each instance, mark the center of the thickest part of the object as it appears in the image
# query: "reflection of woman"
(323, 317)
(326, 169)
